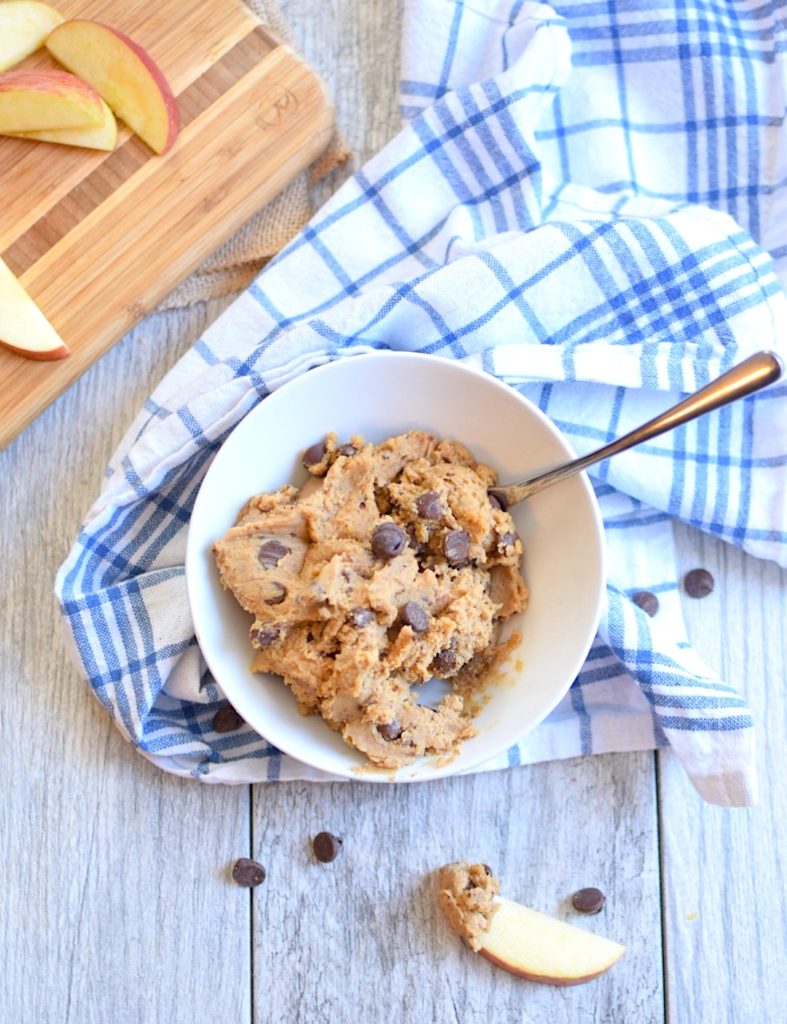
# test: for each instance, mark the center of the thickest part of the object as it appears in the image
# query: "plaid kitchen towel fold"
(475, 234)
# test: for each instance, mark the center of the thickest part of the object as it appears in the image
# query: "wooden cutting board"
(98, 239)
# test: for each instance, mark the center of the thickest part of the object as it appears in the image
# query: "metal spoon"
(753, 373)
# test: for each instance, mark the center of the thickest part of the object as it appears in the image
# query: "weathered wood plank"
(361, 939)
(725, 897)
(116, 905)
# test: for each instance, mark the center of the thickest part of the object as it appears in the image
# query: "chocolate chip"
(312, 456)
(390, 730)
(443, 662)
(273, 592)
(388, 540)
(248, 872)
(326, 846)
(648, 602)
(698, 583)
(588, 901)
(506, 540)
(349, 450)
(264, 636)
(362, 617)
(416, 617)
(227, 719)
(487, 869)
(497, 500)
(271, 553)
(428, 505)
(456, 547)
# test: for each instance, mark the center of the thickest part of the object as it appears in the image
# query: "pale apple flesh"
(24, 26)
(103, 137)
(540, 948)
(125, 76)
(39, 99)
(23, 327)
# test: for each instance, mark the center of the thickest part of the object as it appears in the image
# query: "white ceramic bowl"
(380, 395)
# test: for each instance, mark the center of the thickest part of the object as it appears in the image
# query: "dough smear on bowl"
(390, 566)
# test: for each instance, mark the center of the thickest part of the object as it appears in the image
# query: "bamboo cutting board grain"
(98, 239)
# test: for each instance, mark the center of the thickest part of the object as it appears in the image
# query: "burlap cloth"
(232, 266)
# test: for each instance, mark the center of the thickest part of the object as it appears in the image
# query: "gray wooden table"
(116, 900)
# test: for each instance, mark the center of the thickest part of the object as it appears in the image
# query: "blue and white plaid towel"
(587, 229)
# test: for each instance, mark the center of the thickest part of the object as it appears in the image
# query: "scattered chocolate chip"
(648, 602)
(362, 617)
(588, 901)
(227, 719)
(487, 869)
(416, 617)
(273, 592)
(698, 583)
(314, 455)
(248, 872)
(428, 505)
(349, 450)
(271, 553)
(456, 547)
(497, 500)
(506, 540)
(326, 847)
(388, 540)
(390, 730)
(443, 662)
(264, 636)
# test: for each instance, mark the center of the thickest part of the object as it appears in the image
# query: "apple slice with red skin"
(123, 73)
(103, 137)
(39, 99)
(540, 948)
(23, 327)
(24, 26)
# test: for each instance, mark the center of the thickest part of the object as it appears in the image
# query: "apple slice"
(24, 26)
(38, 99)
(541, 948)
(123, 73)
(103, 137)
(23, 327)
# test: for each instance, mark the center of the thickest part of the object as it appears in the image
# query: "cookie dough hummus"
(389, 566)
(466, 895)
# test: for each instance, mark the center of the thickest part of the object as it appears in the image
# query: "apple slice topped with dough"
(23, 327)
(124, 75)
(24, 26)
(522, 941)
(541, 948)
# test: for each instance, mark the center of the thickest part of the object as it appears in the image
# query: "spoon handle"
(756, 372)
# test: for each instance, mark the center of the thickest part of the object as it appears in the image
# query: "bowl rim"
(370, 773)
